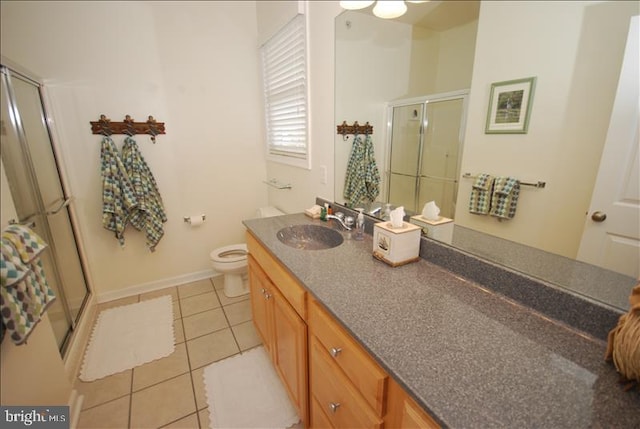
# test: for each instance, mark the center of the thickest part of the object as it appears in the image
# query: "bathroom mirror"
(377, 64)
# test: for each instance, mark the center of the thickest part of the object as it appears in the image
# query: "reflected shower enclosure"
(425, 148)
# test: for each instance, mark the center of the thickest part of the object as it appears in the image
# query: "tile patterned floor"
(169, 392)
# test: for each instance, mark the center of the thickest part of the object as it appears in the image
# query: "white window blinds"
(284, 65)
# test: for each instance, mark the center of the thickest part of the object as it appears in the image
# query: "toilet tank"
(268, 212)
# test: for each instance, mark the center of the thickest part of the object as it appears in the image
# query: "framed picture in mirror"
(510, 106)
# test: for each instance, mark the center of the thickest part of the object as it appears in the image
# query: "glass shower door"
(426, 144)
(406, 142)
(440, 156)
(39, 197)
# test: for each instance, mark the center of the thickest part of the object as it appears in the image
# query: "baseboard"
(156, 285)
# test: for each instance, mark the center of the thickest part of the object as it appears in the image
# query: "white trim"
(75, 407)
(155, 285)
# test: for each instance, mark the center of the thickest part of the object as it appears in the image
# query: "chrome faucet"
(340, 221)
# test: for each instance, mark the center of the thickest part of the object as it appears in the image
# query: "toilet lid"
(233, 253)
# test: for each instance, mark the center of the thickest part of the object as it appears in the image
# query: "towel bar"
(539, 184)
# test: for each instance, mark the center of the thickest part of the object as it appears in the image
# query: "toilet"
(231, 261)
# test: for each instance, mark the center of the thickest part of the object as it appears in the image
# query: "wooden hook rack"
(106, 127)
(356, 128)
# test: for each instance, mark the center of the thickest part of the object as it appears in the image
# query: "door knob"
(335, 351)
(598, 216)
(334, 406)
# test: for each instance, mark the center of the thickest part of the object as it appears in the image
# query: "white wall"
(192, 65)
(575, 51)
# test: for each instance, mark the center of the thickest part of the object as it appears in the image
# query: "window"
(284, 67)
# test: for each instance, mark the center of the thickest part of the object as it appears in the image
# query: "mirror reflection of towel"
(480, 199)
(505, 197)
(363, 178)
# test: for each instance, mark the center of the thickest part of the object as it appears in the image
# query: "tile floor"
(169, 392)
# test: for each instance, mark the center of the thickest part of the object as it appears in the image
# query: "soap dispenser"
(386, 215)
(359, 229)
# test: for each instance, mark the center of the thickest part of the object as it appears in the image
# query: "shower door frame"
(462, 94)
(11, 70)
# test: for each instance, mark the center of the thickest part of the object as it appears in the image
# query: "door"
(261, 310)
(290, 354)
(611, 237)
(425, 149)
(40, 200)
(406, 144)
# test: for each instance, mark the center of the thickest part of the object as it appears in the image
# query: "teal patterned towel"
(505, 197)
(118, 195)
(149, 215)
(480, 199)
(24, 291)
(363, 178)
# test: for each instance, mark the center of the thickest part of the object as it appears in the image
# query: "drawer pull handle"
(333, 406)
(263, 290)
(335, 351)
(267, 296)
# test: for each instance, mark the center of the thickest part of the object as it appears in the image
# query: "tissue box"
(396, 246)
(441, 229)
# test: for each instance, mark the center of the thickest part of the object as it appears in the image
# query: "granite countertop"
(470, 357)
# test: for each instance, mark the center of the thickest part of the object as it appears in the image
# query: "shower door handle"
(63, 204)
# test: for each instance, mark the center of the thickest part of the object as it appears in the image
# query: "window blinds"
(284, 63)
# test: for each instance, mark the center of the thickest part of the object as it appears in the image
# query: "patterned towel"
(363, 178)
(480, 199)
(149, 214)
(118, 196)
(505, 197)
(24, 291)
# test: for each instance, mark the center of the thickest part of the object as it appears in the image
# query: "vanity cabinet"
(347, 387)
(281, 327)
(331, 379)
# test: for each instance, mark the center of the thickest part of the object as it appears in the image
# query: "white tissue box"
(396, 246)
(441, 229)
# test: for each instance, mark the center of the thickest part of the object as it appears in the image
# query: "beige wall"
(575, 51)
(192, 65)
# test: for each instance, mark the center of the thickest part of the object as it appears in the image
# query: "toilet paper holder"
(189, 219)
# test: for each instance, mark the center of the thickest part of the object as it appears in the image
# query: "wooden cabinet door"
(259, 287)
(404, 413)
(290, 351)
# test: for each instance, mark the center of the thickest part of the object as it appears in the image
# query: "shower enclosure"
(40, 200)
(425, 148)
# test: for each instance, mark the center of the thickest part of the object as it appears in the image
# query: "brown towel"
(623, 342)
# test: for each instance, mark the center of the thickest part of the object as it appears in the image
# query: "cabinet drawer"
(364, 373)
(290, 289)
(335, 395)
(318, 418)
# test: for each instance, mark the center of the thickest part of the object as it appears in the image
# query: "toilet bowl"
(231, 261)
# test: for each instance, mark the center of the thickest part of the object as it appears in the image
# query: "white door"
(611, 237)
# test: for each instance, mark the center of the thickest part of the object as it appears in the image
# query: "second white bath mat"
(244, 391)
(128, 336)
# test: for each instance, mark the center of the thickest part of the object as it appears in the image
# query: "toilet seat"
(229, 254)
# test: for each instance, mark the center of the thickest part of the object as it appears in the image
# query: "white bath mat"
(128, 336)
(244, 391)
